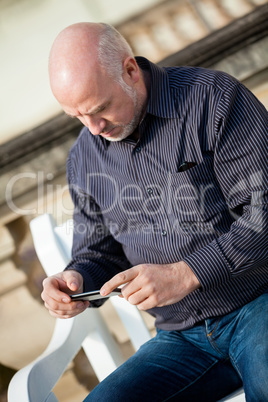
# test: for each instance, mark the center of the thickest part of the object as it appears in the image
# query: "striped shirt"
(193, 188)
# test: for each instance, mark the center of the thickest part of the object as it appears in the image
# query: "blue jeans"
(204, 363)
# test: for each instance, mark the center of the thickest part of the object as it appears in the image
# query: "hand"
(152, 285)
(56, 290)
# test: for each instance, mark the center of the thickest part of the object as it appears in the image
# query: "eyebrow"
(94, 111)
(98, 108)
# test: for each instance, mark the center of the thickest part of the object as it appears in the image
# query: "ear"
(131, 71)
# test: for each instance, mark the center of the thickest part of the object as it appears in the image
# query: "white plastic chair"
(34, 383)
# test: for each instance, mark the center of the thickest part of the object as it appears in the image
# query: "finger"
(67, 311)
(59, 287)
(60, 314)
(72, 307)
(136, 298)
(70, 280)
(67, 314)
(52, 290)
(132, 287)
(118, 280)
(147, 304)
(78, 309)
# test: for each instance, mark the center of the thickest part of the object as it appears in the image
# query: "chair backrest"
(52, 243)
(64, 234)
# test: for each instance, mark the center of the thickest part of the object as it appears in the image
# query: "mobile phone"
(94, 295)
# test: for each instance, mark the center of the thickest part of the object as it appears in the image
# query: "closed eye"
(100, 109)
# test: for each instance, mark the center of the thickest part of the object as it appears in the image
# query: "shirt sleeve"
(240, 164)
(96, 255)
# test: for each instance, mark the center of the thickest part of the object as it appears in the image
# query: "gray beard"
(133, 124)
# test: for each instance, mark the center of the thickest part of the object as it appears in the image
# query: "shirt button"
(164, 233)
(198, 312)
(149, 190)
(138, 149)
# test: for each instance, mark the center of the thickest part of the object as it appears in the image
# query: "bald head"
(80, 52)
(73, 55)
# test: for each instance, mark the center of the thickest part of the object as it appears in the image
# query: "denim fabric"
(204, 363)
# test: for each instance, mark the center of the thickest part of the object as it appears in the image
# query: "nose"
(94, 124)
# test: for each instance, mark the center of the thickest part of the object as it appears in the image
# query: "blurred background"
(35, 136)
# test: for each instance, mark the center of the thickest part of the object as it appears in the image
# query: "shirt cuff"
(209, 266)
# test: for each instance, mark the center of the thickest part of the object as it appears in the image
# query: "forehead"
(91, 95)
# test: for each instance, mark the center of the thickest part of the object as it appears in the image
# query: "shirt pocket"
(195, 194)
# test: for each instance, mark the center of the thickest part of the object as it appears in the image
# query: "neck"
(147, 85)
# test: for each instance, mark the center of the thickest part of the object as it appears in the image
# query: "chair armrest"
(133, 322)
(49, 366)
(66, 341)
(237, 396)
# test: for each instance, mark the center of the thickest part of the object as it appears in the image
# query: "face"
(106, 109)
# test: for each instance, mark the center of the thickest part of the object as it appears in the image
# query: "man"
(169, 183)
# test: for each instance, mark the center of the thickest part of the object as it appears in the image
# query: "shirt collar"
(161, 102)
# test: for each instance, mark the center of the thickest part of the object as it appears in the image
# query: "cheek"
(122, 115)
(128, 112)
(122, 111)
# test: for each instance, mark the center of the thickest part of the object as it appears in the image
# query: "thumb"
(74, 281)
